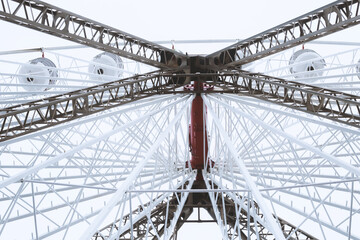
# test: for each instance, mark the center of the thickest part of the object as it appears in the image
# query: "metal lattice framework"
(266, 156)
(46, 18)
(33, 116)
(335, 105)
(315, 24)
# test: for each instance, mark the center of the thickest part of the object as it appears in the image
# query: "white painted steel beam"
(69, 153)
(270, 221)
(135, 172)
(327, 156)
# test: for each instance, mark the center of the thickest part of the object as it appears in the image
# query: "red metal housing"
(197, 131)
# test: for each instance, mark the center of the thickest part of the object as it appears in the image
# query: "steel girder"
(37, 115)
(322, 102)
(59, 22)
(330, 104)
(33, 116)
(55, 21)
(318, 23)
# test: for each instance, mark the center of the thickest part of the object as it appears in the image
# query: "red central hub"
(197, 130)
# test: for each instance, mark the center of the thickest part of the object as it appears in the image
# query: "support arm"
(58, 22)
(320, 22)
(40, 114)
(330, 104)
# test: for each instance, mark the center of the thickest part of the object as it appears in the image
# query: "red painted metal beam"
(198, 132)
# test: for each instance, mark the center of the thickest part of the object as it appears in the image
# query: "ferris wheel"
(137, 140)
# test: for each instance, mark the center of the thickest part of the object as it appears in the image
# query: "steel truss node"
(267, 154)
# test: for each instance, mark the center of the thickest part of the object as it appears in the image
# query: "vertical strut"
(198, 136)
(197, 129)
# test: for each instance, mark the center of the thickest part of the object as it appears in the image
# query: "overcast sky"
(172, 20)
(175, 20)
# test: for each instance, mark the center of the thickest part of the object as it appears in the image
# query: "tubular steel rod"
(35, 168)
(196, 190)
(287, 228)
(317, 151)
(272, 225)
(131, 178)
(140, 214)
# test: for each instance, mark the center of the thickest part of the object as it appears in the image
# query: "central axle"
(198, 136)
(198, 133)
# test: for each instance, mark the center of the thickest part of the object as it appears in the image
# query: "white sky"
(176, 20)
(171, 20)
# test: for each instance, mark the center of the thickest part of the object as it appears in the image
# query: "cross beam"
(40, 114)
(330, 104)
(33, 116)
(58, 22)
(47, 18)
(318, 23)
